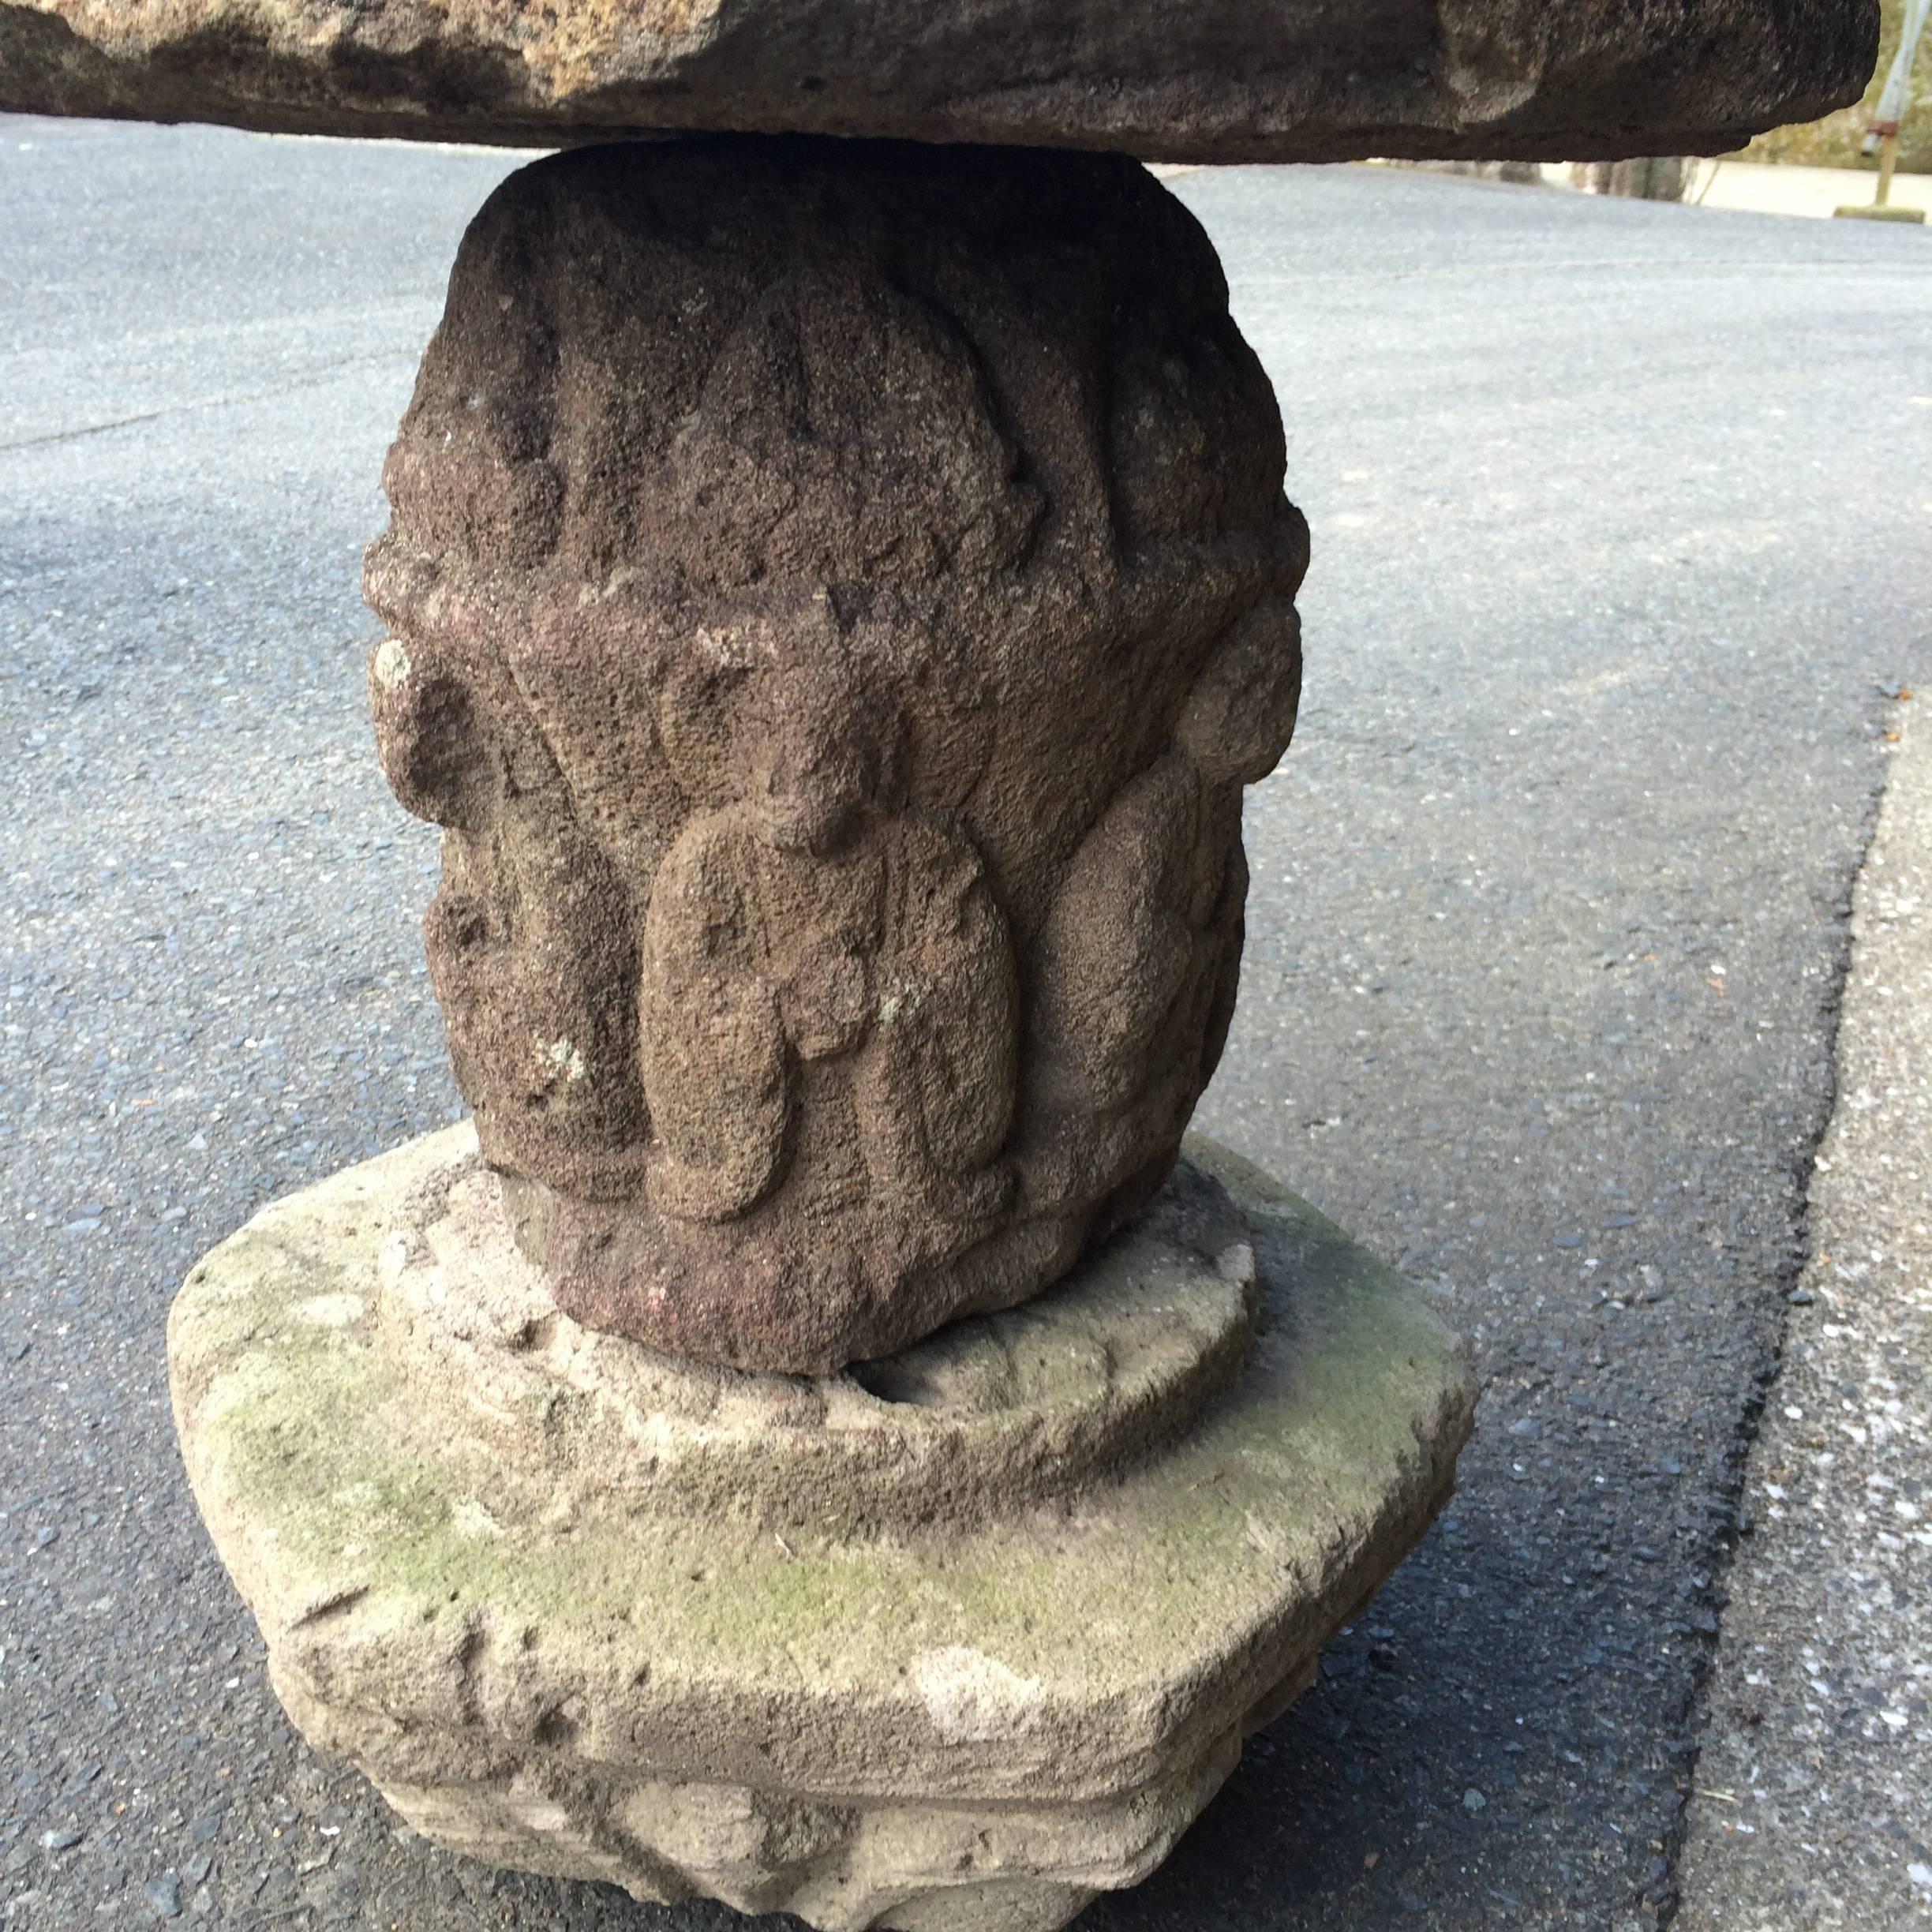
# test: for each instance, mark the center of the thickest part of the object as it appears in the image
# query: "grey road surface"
(1622, 520)
(1813, 1801)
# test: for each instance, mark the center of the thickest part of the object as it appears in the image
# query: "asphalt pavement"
(1813, 1806)
(1623, 526)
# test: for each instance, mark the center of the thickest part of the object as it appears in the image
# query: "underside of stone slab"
(530, 1609)
(1224, 80)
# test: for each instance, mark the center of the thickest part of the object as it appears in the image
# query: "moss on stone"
(1135, 1606)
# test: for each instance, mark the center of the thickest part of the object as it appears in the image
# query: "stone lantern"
(819, 1437)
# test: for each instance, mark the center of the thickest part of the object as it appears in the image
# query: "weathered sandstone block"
(947, 1644)
(1211, 80)
(838, 592)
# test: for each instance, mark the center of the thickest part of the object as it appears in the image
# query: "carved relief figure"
(812, 924)
(1138, 954)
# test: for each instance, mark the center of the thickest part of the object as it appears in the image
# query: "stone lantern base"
(958, 1639)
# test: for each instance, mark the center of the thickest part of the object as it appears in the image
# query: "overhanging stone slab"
(1223, 81)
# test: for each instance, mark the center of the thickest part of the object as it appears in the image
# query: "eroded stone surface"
(1223, 80)
(991, 1413)
(839, 591)
(958, 1727)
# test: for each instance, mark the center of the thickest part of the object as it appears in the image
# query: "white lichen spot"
(973, 1698)
(734, 650)
(331, 1311)
(901, 1000)
(559, 1058)
(392, 663)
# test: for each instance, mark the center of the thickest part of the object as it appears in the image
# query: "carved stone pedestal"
(836, 594)
(947, 1643)
(813, 1447)
(838, 591)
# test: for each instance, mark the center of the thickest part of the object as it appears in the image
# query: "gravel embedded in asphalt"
(1616, 543)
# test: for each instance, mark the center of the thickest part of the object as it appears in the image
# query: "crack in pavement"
(308, 378)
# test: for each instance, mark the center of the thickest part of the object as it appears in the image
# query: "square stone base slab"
(935, 1728)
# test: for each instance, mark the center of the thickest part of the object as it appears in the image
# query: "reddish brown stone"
(838, 592)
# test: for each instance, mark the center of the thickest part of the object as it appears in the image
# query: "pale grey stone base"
(949, 1645)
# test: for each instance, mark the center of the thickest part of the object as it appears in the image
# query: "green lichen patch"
(384, 1562)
